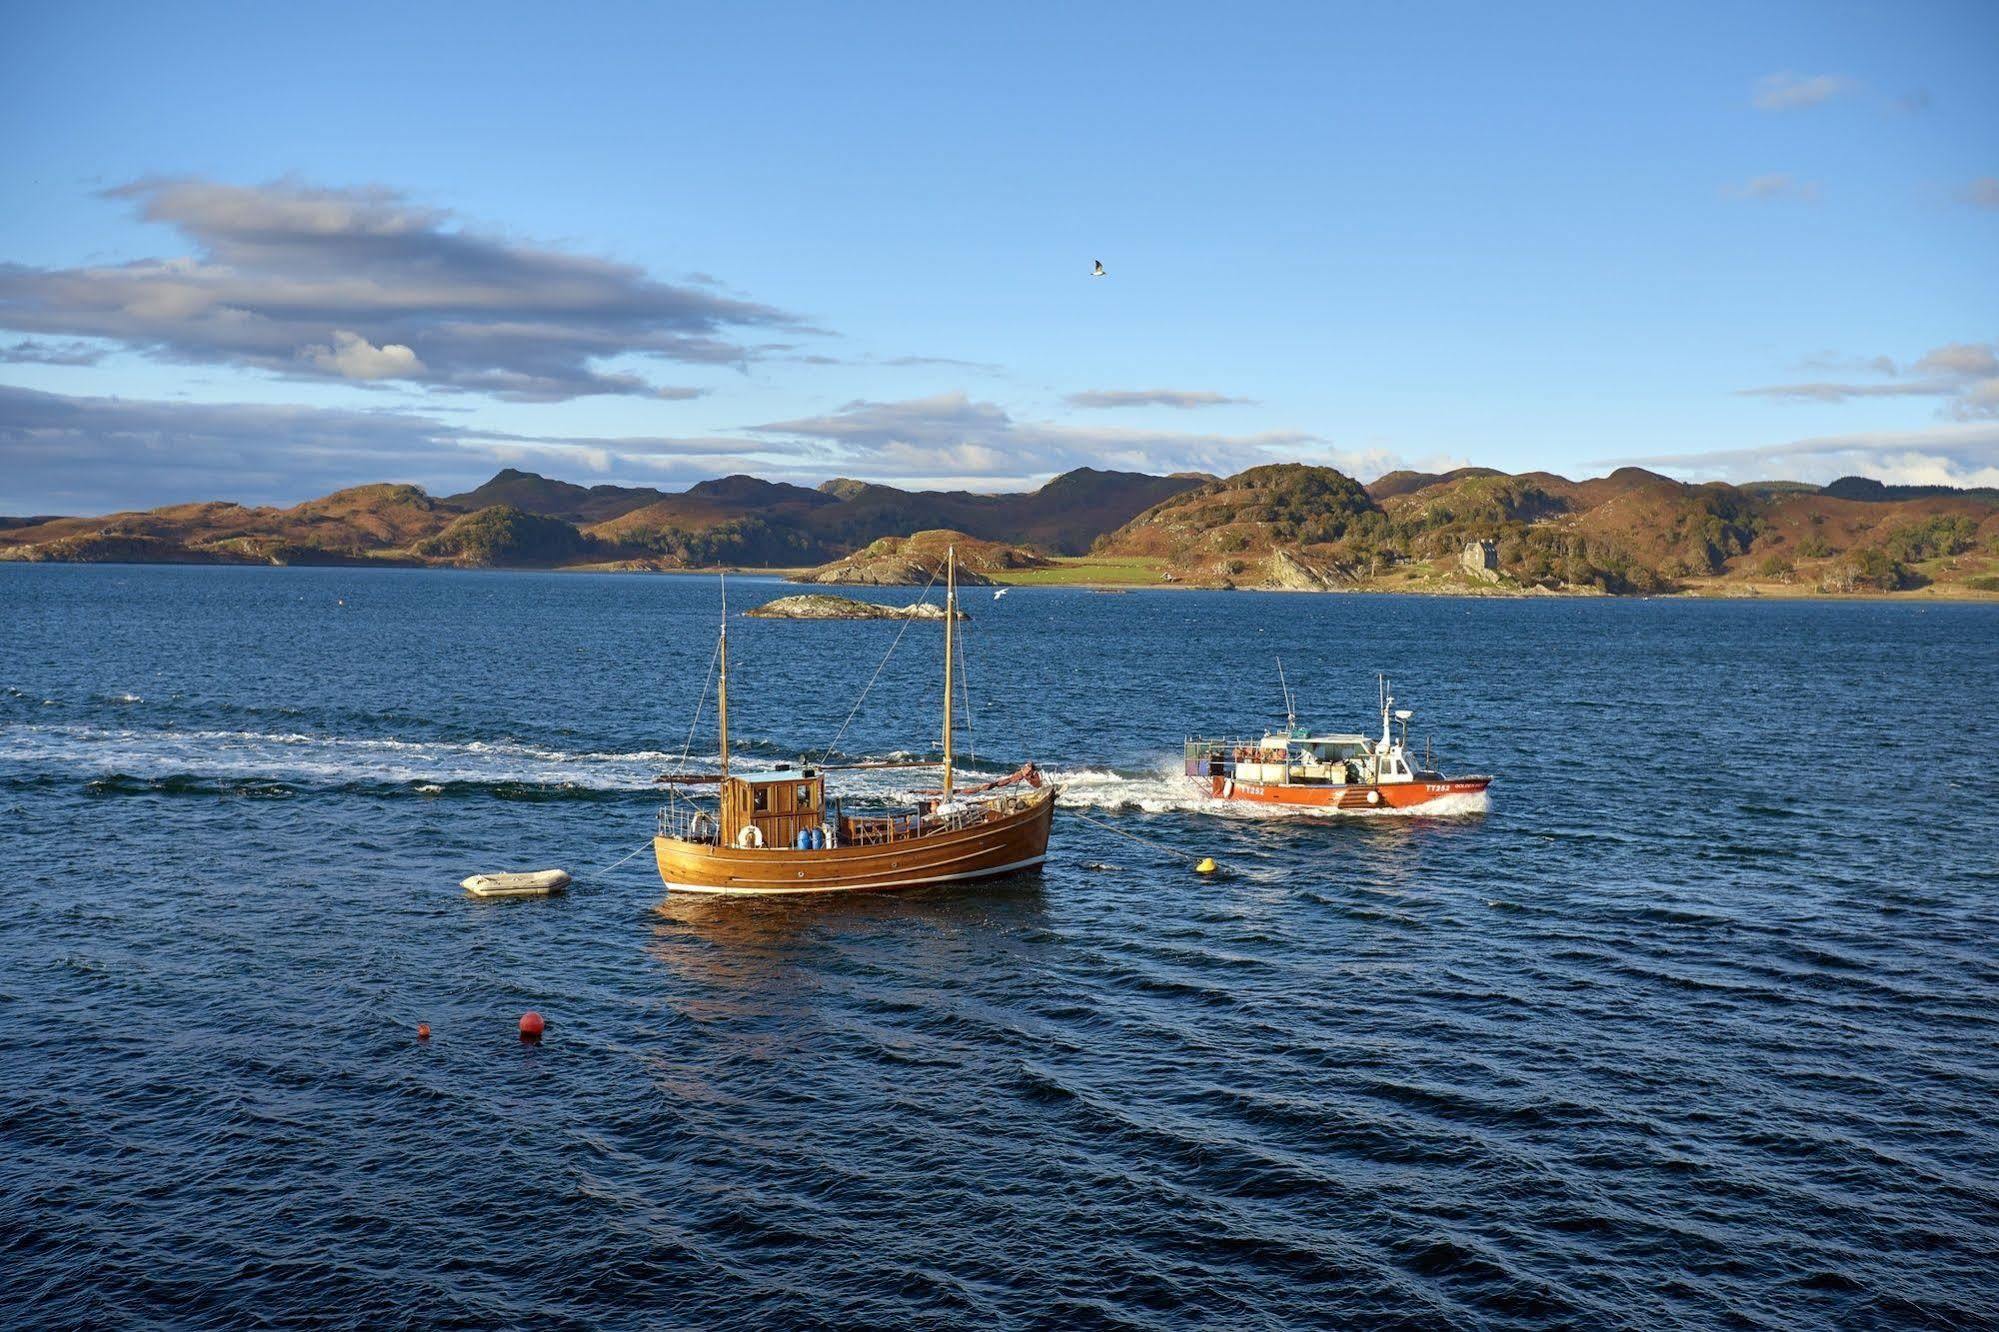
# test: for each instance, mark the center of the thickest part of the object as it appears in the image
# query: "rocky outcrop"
(819, 606)
(1287, 573)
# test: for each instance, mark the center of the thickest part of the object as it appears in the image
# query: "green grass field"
(1088, 571)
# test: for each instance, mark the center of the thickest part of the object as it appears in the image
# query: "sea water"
(1695, 1023)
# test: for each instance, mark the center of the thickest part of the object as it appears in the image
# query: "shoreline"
(1704, 590)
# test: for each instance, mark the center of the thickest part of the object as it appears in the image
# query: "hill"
(1062, 518)
(1633, 531)
(1390, 484)
(1280, 526)
(919, 559)
(539, 495)
(1875, 492)
(365, 523)
(729, 520)
(1284, 525)
(501, 536)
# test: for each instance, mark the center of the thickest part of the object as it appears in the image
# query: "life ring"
(1374, 797)
(751, 836)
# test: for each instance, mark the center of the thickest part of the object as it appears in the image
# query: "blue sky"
(261, 252)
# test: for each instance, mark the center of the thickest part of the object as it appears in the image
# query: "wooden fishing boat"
(774, 831)
(1298, 769)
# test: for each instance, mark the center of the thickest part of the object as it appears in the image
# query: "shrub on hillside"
(1868, 569)
(1946, 534)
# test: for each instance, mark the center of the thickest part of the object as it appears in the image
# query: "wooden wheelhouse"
(772, 808)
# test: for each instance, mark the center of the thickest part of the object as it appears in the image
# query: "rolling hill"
(1288, 526)
(1632, 531)
(729, 520)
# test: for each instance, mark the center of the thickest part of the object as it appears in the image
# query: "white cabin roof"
(775, 775)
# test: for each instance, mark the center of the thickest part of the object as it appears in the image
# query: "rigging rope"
(907, 621)
(700, 703)
(965, 673)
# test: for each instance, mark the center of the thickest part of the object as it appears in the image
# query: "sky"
(262, 252)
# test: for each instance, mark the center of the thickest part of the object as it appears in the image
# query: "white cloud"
(1832, 392)
(1965, 374)
(1792, 92)
(951, 439)
(92, 455)
(1960, 358)
(30, 351)
(1946, 455)
(1183, 399)
(1982, 193)
(353, 357)
(1775, 186)
(362, 284)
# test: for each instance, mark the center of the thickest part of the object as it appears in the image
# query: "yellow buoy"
(1207, 865)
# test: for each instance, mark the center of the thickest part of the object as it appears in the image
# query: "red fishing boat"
(1299, 769)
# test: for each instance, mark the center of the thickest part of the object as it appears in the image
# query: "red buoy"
(530, 1026)
(423, 1031)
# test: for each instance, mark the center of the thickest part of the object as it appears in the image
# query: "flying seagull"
(1097, 271)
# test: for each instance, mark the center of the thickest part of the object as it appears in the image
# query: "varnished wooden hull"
(1007, 844)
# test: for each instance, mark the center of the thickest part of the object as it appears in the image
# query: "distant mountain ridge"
(1287, 525)
(728, 520)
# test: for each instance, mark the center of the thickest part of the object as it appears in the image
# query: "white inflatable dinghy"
(538, 884)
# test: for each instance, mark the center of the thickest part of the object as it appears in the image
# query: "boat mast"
(950, 621)
(722, 686)
(1290, 709)
(1387, 702)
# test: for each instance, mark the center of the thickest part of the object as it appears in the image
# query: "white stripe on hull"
(876, 887)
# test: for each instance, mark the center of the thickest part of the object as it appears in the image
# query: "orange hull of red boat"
(1395, 795)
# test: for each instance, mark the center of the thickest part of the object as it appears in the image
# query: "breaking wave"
(230, 763)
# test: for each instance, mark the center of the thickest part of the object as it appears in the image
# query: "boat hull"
(1354, 797)
(1012, 843)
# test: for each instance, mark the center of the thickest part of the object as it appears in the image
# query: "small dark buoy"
(423, 1031)
(530, 1026)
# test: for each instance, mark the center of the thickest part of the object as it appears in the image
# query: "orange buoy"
(423, 1031)
(531, 1026)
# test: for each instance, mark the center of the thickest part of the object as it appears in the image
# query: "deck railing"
(685, 821)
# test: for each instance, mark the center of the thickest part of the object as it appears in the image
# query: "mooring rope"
(1171, 850)
(614, 864)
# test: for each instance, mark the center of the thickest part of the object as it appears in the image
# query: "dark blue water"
(1698, 1026)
